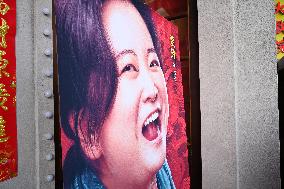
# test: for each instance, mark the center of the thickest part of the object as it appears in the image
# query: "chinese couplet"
(279, 14)
(8, 132)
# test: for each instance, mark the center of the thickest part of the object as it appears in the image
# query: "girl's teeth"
(151, 118)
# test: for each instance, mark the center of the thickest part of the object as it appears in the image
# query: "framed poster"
(121, 99)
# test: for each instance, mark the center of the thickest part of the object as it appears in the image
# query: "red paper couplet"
(8, 129)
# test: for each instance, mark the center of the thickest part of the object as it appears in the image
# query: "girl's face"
(133, 137)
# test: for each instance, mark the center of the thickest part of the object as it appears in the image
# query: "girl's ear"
(89, 143)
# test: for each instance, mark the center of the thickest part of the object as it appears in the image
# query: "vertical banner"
(279, 15)
(122, 111)
(8, 129)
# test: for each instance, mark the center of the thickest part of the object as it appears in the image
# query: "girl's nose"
(150, 90)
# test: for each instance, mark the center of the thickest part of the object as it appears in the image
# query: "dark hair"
(87, 70)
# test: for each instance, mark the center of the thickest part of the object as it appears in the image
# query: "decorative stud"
(48, 94)
(46, 32)
(49, 157)
(47, 52)
(48, 73)
(48, 115)
(49, 178)
(48, 136)
(45, 11)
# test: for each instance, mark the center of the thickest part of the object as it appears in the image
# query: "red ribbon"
(8, 129)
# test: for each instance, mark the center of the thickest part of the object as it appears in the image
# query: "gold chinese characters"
(173, 54)
(4, 95)
(3, 136)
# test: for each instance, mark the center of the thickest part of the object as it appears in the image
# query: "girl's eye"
(129, 68)
(154, 63)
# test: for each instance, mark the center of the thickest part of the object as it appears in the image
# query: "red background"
(177, 152)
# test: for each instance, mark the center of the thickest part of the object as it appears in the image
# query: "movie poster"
(121, 101)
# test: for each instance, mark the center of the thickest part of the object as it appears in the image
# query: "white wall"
(31, 102)
(238, 94)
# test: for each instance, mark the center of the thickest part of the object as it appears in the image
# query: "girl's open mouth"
(152, 127)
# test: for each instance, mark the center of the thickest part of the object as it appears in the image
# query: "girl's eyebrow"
(130, 51)
(124, 52)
